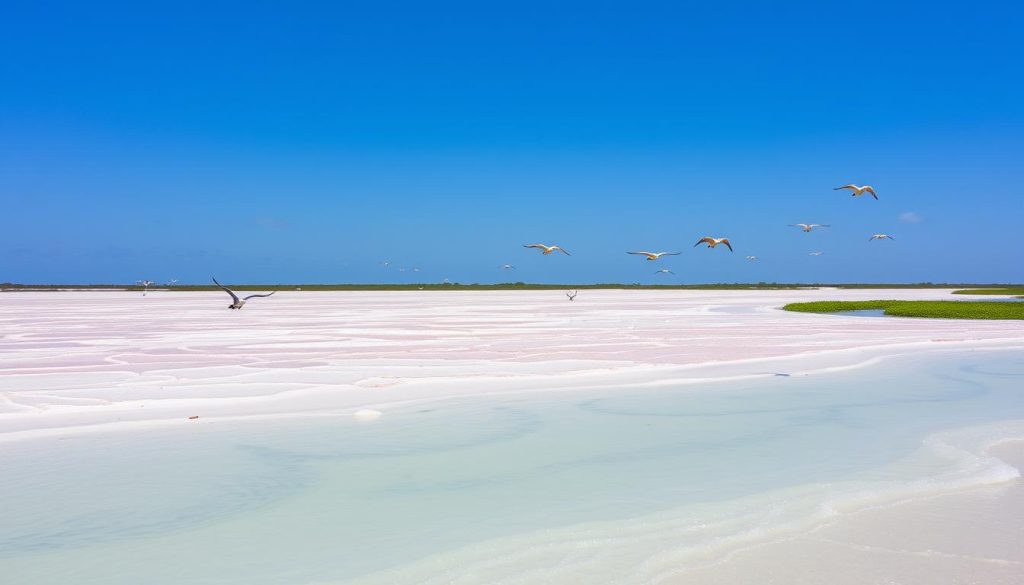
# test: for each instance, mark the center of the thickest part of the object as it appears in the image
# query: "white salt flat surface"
(100, 360)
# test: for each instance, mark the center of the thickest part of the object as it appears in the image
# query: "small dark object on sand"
(194, 417)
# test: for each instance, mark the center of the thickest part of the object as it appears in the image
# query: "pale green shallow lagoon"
(544, 482)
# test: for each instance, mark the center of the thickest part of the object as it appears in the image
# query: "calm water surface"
(547, 482)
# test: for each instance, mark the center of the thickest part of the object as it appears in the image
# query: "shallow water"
(864, 313)
(604, 486)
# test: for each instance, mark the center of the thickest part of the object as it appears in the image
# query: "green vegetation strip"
(933, 309)
(991, 291)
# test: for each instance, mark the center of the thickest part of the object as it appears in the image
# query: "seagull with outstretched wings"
(237, 303)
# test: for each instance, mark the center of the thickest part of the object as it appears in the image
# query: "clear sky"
(310, 141)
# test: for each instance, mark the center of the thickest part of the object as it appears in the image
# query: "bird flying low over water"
(651, 256)
(664, 271)
(809, 226)
(712, 242)
(237, 303)
(547, 249)
(815, 253)
(752, 258)
(881, 237)
(858, 191)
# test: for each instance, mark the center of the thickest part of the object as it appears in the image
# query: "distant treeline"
(8, 286)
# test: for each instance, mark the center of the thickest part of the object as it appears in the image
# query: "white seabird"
(237, 303)
(652, 256)
(809, 226)
(712, 242)
(547, 249)
(858, 191)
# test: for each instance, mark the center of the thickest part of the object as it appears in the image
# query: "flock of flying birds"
(709, 241)
(712, 242)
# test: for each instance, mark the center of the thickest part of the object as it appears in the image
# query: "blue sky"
(308, 142)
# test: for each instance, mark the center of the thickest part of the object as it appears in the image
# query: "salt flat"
(627, 437)
(86, 360)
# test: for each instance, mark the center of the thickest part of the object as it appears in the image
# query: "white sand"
(971, 537)
(75, 361)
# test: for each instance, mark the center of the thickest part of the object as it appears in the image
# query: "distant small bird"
(507, 267)
(572, 294)
(547, 249)
(172, 282)
(415, 269)
(385, 263)
(881, 237)
(237, 303)
(815, 253)
(652, 256)
(712, 242)
(752, 258)
(808, 226)
(858, 191)
(664, 271)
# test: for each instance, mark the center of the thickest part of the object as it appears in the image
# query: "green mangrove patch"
(930, 309)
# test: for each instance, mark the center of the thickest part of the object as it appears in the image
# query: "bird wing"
(871, 190)
(670, 254)
(648, 254)
(851, 187)
(257, 296)
(799, 225)
(234, 297)
(727, 244)
(704, 240)
(890, 237)
(538, 246)
(821, 225)
(560, 249)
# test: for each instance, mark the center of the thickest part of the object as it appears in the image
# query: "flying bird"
(809, 226)
(858, 191)
(815, 253)
(547, 249)
(145, 284)
(172, 282)
(507, 267)
(237, 303)
(752, 258)
(572, 294)
(712, 242)
(881, 237)
(651, 256)
(664, 271)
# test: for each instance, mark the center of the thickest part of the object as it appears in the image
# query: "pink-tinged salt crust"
(74, 361)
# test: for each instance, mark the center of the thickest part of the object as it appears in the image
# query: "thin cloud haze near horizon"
(309, 144)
